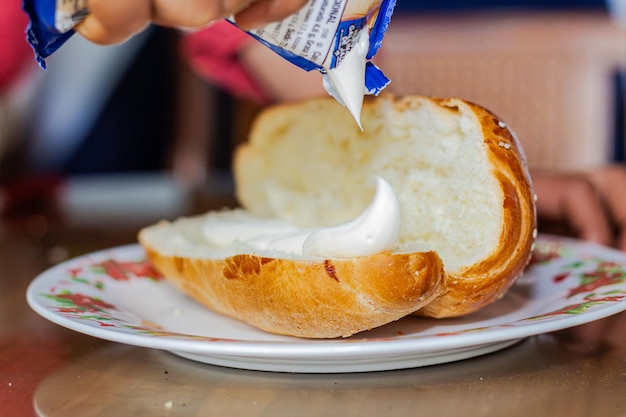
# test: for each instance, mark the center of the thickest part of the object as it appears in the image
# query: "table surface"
(50, 371)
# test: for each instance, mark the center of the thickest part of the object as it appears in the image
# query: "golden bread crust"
(482, 283)
(307, 298)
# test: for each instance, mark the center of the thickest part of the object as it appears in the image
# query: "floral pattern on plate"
(118, 295)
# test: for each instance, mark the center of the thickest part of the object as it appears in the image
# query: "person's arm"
(113, 21)
(231, 59)
(14, 51)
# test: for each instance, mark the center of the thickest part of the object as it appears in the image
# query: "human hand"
(113, 21)
(591, 204)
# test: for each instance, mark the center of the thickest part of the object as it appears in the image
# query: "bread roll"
(466, 199)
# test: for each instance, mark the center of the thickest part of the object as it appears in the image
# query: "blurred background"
(133, 129)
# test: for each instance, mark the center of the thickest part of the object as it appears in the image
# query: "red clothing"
(14, 49)
(213, 53)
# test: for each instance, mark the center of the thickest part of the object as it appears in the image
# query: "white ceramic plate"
(116, 295)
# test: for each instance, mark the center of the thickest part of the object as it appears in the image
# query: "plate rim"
(356, 347)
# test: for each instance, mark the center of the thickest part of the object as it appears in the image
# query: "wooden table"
(50, 371)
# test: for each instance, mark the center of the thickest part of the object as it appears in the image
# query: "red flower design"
(74, 272)
(581, 307)
(596, 279)
(122, 271)
(75, 303)
(560, 277)
(142, 269)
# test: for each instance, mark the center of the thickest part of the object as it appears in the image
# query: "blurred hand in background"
(113, 21)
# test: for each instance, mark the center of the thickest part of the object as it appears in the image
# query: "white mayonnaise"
(346, 82)
(376, 230)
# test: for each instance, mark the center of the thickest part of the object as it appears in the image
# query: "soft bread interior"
(433, 156)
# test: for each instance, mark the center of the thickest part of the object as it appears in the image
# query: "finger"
(584, 210)
(611, 184)
(113, 21)
(574, 200)
(194, 13)
(263, 12)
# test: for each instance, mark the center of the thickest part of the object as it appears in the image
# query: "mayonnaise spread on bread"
(345, 82)
(376, 230)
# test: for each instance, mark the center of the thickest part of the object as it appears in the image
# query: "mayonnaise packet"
(51, 23)
(338, 38)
